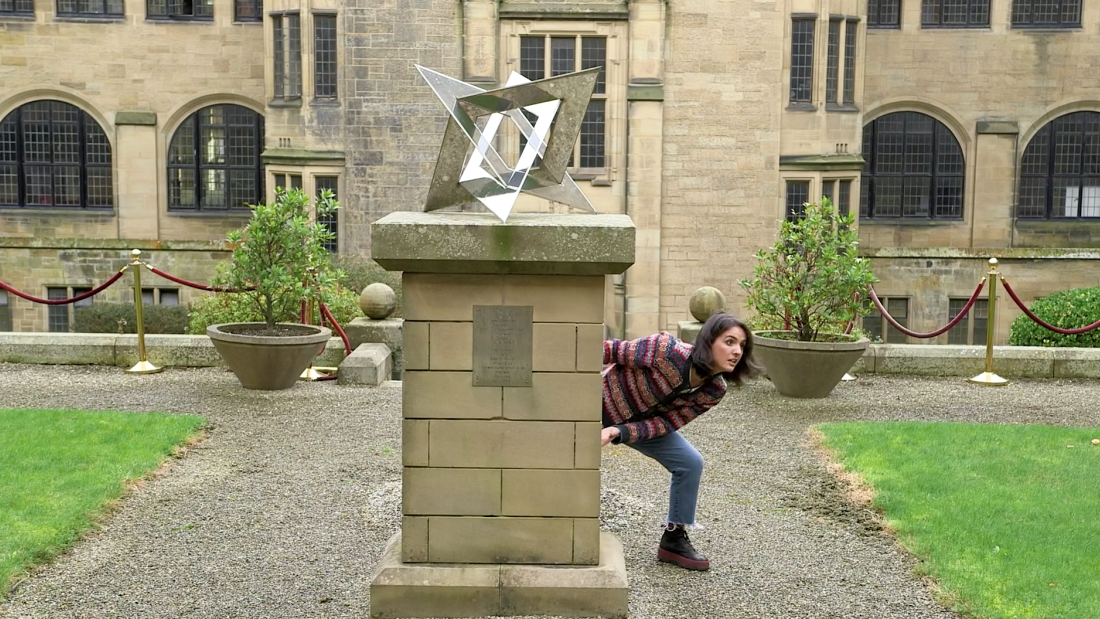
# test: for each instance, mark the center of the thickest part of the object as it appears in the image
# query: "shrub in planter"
(279, 258)
(229, 307)
(812, 275)
(120, 318)
(1069, 309)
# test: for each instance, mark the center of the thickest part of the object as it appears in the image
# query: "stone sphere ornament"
(705, 302)
(378, 301)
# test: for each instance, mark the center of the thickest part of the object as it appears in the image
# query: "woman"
(655, 386)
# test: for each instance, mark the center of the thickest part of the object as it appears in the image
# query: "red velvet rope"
(335, 325)
(1042, 322)
(954, 321)
(79, 297)
(184, 282)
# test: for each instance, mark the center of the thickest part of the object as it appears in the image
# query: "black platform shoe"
(676, 548)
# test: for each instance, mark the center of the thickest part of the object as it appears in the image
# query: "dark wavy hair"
(716, 325)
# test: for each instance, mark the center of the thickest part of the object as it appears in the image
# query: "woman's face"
(727, 349)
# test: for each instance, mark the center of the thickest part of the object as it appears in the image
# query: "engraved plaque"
(502, 345)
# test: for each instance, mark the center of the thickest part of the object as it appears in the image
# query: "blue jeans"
(685, 463)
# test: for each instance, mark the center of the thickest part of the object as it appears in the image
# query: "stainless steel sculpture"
(557, 104)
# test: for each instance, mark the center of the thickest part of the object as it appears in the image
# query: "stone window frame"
(968, 327)
(834, 188)
(615, 34)
(794, 211)
(287, 62)
(74, 8)
(1019, 5)
(326, 89)
(801, 87)
(194, 123)
(308, 176)
(93, 150)
(249, 11)
(177, 10)
(19, 9)
(932, 14)
(155, 295)
(870, 176)
(886, 332)
(56, 313)
(5, 311)
(875, 12)
(840, 96)
(1051, 175)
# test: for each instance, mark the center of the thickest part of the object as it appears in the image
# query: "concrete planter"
(805, 369)
(268, 362)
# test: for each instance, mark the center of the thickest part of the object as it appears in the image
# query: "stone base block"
(688, 330)
(387, 331)
(368, 364)
(462, 590)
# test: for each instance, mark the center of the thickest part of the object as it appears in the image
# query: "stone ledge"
(479, 243)
(197, 351)
(121, 350)
(459, 590)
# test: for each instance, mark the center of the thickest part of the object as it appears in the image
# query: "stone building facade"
(956, 134)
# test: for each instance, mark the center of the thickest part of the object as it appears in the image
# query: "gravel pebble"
(285, 507)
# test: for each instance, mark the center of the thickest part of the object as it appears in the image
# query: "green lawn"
(1005, 518)
(59, 470)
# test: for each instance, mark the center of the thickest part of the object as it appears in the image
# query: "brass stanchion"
(143, 366)
(988, 377)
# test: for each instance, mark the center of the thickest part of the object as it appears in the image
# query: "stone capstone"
(529, 243)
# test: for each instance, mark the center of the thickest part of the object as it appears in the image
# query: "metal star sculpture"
(557, 105)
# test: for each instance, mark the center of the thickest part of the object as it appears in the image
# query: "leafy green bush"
(359, 272)
(223, 307)
(812, 274)
(1069, 309)
(279, 257)
(120, 318)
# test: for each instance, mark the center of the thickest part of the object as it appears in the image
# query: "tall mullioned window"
(970, 330)
(90, 8)
(1060, 170)
(883, 13)
(16, 7)
(802, 60)
(840, 79)
(832, 62)
(324, 56)
(5, 311)
(54, 155)
(850, 27)
(914, 169)
(214, 160)
(331, 220)
(550, 56)
(199, 10)
(954, 14)
(287, 47)
(798, 194)
(1046, 13)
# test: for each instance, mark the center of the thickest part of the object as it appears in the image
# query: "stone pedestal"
(502, 345)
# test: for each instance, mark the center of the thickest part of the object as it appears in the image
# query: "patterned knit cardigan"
(645, 372)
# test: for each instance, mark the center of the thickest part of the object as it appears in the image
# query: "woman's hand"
(607, 435)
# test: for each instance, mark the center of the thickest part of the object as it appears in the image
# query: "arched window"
(1060, 171)
(214, 160)
(54, 155)
(914, 168)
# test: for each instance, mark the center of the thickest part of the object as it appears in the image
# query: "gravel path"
(284, 508)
